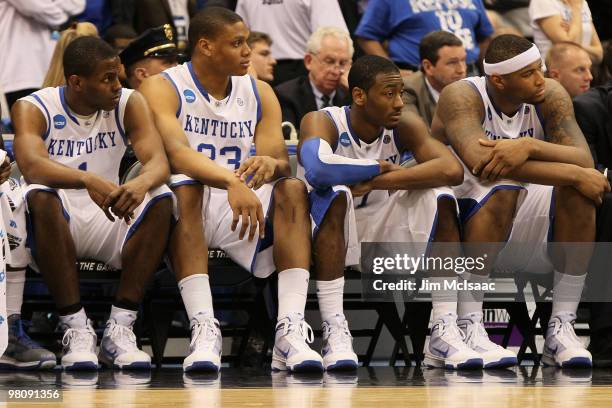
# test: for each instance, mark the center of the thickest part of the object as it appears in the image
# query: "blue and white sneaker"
(118, 348)
(23, 353)
(337, 350)
(447, 349)
(205, 347)
(290, 349)
(562, 347)
(476, 337)
(79, 348)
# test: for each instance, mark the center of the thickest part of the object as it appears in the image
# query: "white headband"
(513, 64)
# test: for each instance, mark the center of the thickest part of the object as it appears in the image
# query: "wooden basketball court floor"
(379, 387)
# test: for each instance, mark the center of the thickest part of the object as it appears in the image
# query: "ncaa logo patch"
(189, 95)
(2, 276)
(59, 121)
(239, 101)
(386, 139)
(344, 139)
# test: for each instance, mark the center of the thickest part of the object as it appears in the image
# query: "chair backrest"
(132, 172)
(293, 135)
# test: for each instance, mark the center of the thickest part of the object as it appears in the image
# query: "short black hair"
(83, 55)
(365, 69)
(506, 46)
(432, 42)
(209, 22)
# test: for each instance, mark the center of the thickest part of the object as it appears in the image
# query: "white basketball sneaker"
(337, 350)
(290, 349)
(476, 337)
(446, 347)
(562, 347)
(118, 348)
(205, 347)
(79, 348)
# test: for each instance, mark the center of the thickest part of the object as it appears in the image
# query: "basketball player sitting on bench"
(69, 142)
(516, 134)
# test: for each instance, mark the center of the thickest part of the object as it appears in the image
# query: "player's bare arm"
(318, 139)
(436, 164)
(150, 152)
(271, 161)
(564, 143)
(184, 160)
(37, 167)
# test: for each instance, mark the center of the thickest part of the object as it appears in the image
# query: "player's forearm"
(52, 174)
(155, 171)
(430, 174)
(546, 173)
(552, 152)
(283, 169)
(199, 167)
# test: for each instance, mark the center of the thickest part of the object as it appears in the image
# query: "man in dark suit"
(442, 62)
(593, 111)
(328, 60)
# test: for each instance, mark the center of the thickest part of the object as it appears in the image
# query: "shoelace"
(204, 333)
(79, 339)
(340, 338)
(476, 334)
(123, 335)
(304, 331)
(453, 331)
(566, 329)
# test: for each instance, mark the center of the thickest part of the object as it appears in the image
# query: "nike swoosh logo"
(443, 353)
(284, 353)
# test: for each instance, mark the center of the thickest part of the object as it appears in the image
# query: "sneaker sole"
(29, 366)
(308, 366)
(435, 362)
(82, 366)
(202, 366)
(343, 365)
(137, 365)
(503, 363)
(576, 362)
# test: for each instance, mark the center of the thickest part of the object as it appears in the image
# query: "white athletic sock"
(331, 296)
(292, 291)
(470, 301)
(195, 291)
(124, 317)
(76, 320)
(566, 293)
(15, 281)
(444, 301)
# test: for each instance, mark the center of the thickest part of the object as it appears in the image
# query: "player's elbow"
(453, 174)
(318, 177)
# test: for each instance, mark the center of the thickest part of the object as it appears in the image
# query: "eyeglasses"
(331, 63)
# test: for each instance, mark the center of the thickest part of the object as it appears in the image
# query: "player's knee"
(44, 203)
(499, 209)
(571, 201)
(291, 191)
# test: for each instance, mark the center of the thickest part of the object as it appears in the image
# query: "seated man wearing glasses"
(328, 58)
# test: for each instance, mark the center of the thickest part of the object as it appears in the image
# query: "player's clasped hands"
(245, 205)
(257, 171)
(503, 157)
(592, 184)
(121, 200)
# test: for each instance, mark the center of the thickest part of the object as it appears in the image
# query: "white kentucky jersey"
(224, 130)
(497, 125)
(96, 144)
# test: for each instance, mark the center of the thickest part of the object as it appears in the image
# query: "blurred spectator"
(554, 21)
(149, 54)
(602, 72)
(328, 60)
(119, 36)
(593, 111)
(403, 24)
(262, 60)
(290, 23)
(55, 74)
(27, 41)
(570, 65)
(442, 63)
(155, 13)
(512, 14)
(501, 26)
(99, 13)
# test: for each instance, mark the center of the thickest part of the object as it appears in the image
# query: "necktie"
(325, 101)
